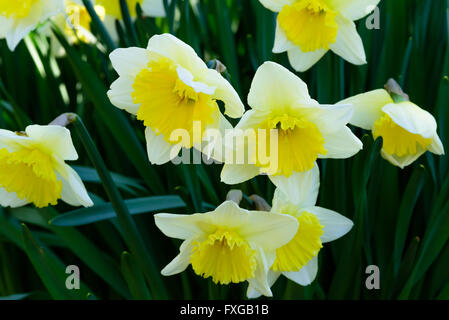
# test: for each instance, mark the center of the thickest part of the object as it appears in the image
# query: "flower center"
(300, 142)
(168, 104)
(16, 9)
(112, 7)
(309, 24)
(225, 257)
(30, 174)
(396, 140)
(302, 248)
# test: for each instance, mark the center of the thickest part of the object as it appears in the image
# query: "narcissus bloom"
(33, 168)
(306, 130)
(229, 244)
(171, 90)
(75, 22)
(298, 259)
(407, 130)
(18, 18)
(307, 29)
(150, 8)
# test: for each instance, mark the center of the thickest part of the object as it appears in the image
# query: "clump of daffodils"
(170, 89)
(308, 29)
(298, 259)
(306, 131)
(33, 168)
(19, 18)
(229, 244)
(407, 130)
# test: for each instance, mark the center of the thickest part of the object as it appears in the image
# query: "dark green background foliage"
(401, 216)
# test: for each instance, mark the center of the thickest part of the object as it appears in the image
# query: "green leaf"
(106, 211)
(134, 278)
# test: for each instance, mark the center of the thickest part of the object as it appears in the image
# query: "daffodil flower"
(407, 130)
(18, 18)
(229, 244)
(308, 29)
(75, 22)
(171, 89)
(150, 8)
(280, 102)
(33, 168)
(298, 259)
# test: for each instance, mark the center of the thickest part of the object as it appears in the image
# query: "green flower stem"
(131, 234)
(104, 34)
(129, 23)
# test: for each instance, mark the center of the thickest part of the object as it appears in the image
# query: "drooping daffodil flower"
(19, 18)
(407, 131)
(308, 29)
(229, 244)
(298, 259)
(173, 92)
(33, 168)
(150, 8)
(305, 130)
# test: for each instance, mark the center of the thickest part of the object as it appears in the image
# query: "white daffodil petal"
(260, 280)
(10, 199)
(348, 43)
(73, 190)
(55, 140)
(275, 5)
(224, 91)
(274, 86)
(306, 275)
(180, 226)
(129, 61)
(301, 188)
(412, 118)
(153, 8)
(120, 94)
(238, 173)
(268, 230)
(303, 61)
(272, 277)
(403, 161)
(181, 261)
(335, 225)
(171, 47)
(281, 42)
(368, 107)
(329, 118)
(354, 10)
(437, 146)
(160, 151)
(13, 141)
(342, 144)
